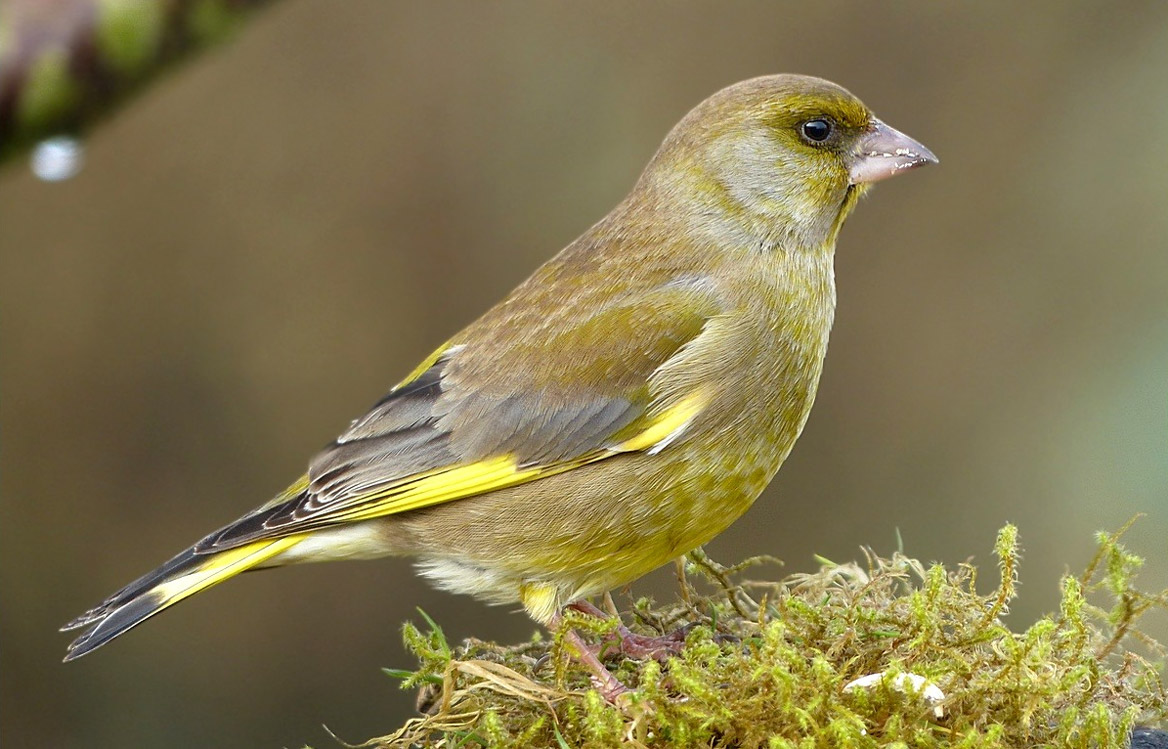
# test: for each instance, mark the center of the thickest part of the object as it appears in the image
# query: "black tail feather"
(136, 588)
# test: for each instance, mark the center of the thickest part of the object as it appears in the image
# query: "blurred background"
(267, 239)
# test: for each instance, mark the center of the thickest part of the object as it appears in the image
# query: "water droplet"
(57, 158)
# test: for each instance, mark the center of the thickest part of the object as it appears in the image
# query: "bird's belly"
(585, 531)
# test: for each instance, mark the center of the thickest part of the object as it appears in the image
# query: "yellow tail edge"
(193, 577)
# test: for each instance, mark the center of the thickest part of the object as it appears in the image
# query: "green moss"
(766, 664)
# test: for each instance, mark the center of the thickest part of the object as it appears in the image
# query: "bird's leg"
(633, 645)
(609, 686)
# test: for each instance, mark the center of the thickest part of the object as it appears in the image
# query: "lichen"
(768, 664)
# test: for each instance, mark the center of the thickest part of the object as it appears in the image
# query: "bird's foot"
(640, 647)
(622, 642)
(632, 645)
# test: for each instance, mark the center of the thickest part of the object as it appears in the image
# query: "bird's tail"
(186, 574)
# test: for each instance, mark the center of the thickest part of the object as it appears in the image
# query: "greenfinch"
(622, 406)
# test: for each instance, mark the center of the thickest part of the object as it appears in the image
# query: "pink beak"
(883, 152)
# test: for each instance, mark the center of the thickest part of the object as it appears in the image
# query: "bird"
(619, 408)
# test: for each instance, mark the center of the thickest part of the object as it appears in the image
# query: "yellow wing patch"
(456, 482)
(667, 425)
(435, 487)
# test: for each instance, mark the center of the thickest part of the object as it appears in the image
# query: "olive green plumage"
(622, 406)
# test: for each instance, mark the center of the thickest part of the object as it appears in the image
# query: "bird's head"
(786, 155)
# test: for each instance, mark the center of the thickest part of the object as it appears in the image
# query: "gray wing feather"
(536, 430)
(425, 426)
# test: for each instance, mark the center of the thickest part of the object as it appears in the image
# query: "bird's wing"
(481, 415)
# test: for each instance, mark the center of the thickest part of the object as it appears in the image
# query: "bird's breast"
(771, 350)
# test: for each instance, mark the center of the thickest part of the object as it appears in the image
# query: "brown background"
(274, 234)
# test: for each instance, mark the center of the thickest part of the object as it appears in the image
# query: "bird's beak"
(883, 152)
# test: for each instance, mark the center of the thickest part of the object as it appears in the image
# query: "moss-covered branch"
(66, 63)
(776, 664)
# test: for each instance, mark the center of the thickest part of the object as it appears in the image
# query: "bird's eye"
(816, 130)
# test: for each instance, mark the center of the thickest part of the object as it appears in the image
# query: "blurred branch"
(64, 64)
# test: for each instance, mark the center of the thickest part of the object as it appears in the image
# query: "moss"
(767, 664)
